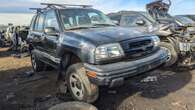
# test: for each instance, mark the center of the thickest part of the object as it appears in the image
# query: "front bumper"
(114, 74)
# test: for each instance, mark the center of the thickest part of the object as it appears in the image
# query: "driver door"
(50, 41)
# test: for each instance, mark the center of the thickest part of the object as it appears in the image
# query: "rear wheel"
(37, 65)
(79, 85)
(172, 54)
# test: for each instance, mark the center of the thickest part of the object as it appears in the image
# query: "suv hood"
(107, 34)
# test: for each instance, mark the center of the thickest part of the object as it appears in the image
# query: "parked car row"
(90, 50)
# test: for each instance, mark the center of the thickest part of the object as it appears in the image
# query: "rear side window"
(39, 22)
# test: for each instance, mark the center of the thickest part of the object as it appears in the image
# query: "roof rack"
(38, 10)
(53, 5)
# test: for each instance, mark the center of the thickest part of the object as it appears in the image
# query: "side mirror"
(115, 22)
(51, 31)
(140, 22)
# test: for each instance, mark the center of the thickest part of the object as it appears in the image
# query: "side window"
(130, 20)
(51, 20)
(39, 23)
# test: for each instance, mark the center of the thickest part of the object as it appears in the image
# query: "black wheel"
(37, 65)
(79, 85)
(172, 54)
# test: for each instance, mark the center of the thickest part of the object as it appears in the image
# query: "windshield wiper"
(81, 27)
(103, 24)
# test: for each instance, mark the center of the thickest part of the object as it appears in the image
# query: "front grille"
(138, 47)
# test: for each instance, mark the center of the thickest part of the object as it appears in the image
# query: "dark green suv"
(89, 49)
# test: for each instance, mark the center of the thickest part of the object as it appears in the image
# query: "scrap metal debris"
(150, 79)
(42, 99)
(20, 55)
(112, 92)
(10, 96)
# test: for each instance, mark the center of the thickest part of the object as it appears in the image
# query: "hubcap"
(34, 62)
(76, 86)
(168, 53)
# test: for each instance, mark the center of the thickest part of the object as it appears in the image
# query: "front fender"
(82, 48)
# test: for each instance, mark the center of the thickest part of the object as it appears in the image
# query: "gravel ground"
(157, 90)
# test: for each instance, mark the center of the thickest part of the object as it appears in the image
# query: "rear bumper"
(114, 74)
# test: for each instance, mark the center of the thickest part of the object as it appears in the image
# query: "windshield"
(184, 20)
(84, 18)
(130, 20)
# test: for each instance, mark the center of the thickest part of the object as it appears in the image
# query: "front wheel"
(79, 85)
(172, 54)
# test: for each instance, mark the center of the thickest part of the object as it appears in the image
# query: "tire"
(81, 89)
(73, 106)
(172, 54)
(37, 65)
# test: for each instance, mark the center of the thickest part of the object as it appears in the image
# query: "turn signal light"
(91, 74)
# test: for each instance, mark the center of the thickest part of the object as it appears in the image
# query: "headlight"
(156, 40)
(109, 51)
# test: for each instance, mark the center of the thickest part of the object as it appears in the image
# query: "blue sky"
(22, 6)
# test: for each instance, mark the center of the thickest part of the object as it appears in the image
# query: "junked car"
(186, 22)
(89, 49)
(190, 16)
(176, 37)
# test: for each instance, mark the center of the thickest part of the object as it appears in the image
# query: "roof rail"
(38, 10)
(65, 5)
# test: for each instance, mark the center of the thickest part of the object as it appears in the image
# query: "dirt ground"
(157, 90)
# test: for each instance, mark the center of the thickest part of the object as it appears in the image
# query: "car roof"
(126, 12)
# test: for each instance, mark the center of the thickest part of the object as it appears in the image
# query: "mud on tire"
(80, 87)
(37, 65)
(172, 54)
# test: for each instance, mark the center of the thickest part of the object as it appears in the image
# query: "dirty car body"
(87, 36)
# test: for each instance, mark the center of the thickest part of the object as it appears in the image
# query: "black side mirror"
(51, 31)
(140, 22)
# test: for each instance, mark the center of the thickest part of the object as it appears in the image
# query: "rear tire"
(79, 85)
(172, 54)
(37, 65)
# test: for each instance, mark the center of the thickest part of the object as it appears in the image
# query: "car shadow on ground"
(165, 83)
(5, 52)
(23, 89)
